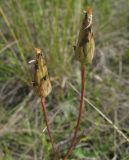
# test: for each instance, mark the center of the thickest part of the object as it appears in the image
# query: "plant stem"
(73, 143)
(47, 125)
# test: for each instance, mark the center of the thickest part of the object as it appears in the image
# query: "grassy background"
(53, 26)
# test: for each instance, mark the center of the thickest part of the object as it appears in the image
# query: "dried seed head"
(41, 83)
(84, 49)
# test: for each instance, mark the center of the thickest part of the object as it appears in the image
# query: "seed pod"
(41, 83)
(84, 50)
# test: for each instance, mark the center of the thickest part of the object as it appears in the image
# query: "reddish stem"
(47, 125)
(73, 143)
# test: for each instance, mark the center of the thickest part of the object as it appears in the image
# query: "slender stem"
(47, 125)
(73, 143)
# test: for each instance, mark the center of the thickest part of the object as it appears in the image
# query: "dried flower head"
(84, 50)
(41, 82)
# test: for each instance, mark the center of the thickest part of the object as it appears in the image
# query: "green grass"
(53, 26)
